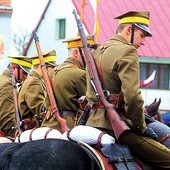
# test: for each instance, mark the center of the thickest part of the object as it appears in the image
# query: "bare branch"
(20, 39)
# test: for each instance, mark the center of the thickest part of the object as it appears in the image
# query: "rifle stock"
(118, 125)
(14, 89)
(48, 86)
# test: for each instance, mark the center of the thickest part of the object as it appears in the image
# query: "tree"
(20, 38)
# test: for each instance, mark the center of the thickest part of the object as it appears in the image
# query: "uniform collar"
(120, 38)
(73, 61)
(35, 74)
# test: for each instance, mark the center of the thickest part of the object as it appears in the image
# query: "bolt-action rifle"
(14, 89)
(118, 125)
(48, 86)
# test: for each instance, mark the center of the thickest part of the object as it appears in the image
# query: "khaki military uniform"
(7, 107)
(69, 84)
(120, 78)
(32, 96)
(120, 70)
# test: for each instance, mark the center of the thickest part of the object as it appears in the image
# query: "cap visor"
(27, 70)
(144, 28)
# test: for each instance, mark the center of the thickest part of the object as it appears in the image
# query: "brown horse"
(157, 124)
(71, 155)
(153, 110)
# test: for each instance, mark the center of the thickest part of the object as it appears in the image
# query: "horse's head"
(153, 108)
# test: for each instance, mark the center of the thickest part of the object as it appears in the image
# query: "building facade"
(5, 32)
(57, 24)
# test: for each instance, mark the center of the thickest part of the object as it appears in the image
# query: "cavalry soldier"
(69, 84)
(21, 66)
(32, 95)
(118, 68)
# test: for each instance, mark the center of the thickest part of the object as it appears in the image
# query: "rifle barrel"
(50, 93)
(14, 89)
(118, 125)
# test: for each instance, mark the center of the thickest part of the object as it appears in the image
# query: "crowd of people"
(118, 67)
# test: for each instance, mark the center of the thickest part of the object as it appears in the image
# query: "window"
(164, 76)
(60, 28)
(161, 80)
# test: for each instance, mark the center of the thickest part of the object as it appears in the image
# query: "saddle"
(119, 156)
(113, 157)
(99, 161)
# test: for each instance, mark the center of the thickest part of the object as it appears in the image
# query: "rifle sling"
(99, 65)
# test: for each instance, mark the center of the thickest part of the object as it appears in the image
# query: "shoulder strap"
(99, 65)
(57, 69)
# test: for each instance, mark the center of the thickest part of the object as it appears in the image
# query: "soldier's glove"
(148, 119)
(150, 133)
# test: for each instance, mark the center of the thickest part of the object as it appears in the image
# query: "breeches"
(148, 149)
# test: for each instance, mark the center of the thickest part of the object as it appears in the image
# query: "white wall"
(149, 96)
(5, 30)
(57, 10)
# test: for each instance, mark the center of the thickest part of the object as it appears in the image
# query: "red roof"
(5, 3)
(5, 7)
(157, 46)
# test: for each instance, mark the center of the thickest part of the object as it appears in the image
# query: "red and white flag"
(149, 80)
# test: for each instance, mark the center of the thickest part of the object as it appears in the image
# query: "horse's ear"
(153, 108)
(152, 104)
(155, 100)
(159, 101)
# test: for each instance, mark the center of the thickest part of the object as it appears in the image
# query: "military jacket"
(120, 70)
(7, 107)
(32, 96)
(69, 84)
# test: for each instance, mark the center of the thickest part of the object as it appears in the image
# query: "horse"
(71, 150)
(82, 147)
(153, 110)
(46, 154)
(155, 122)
